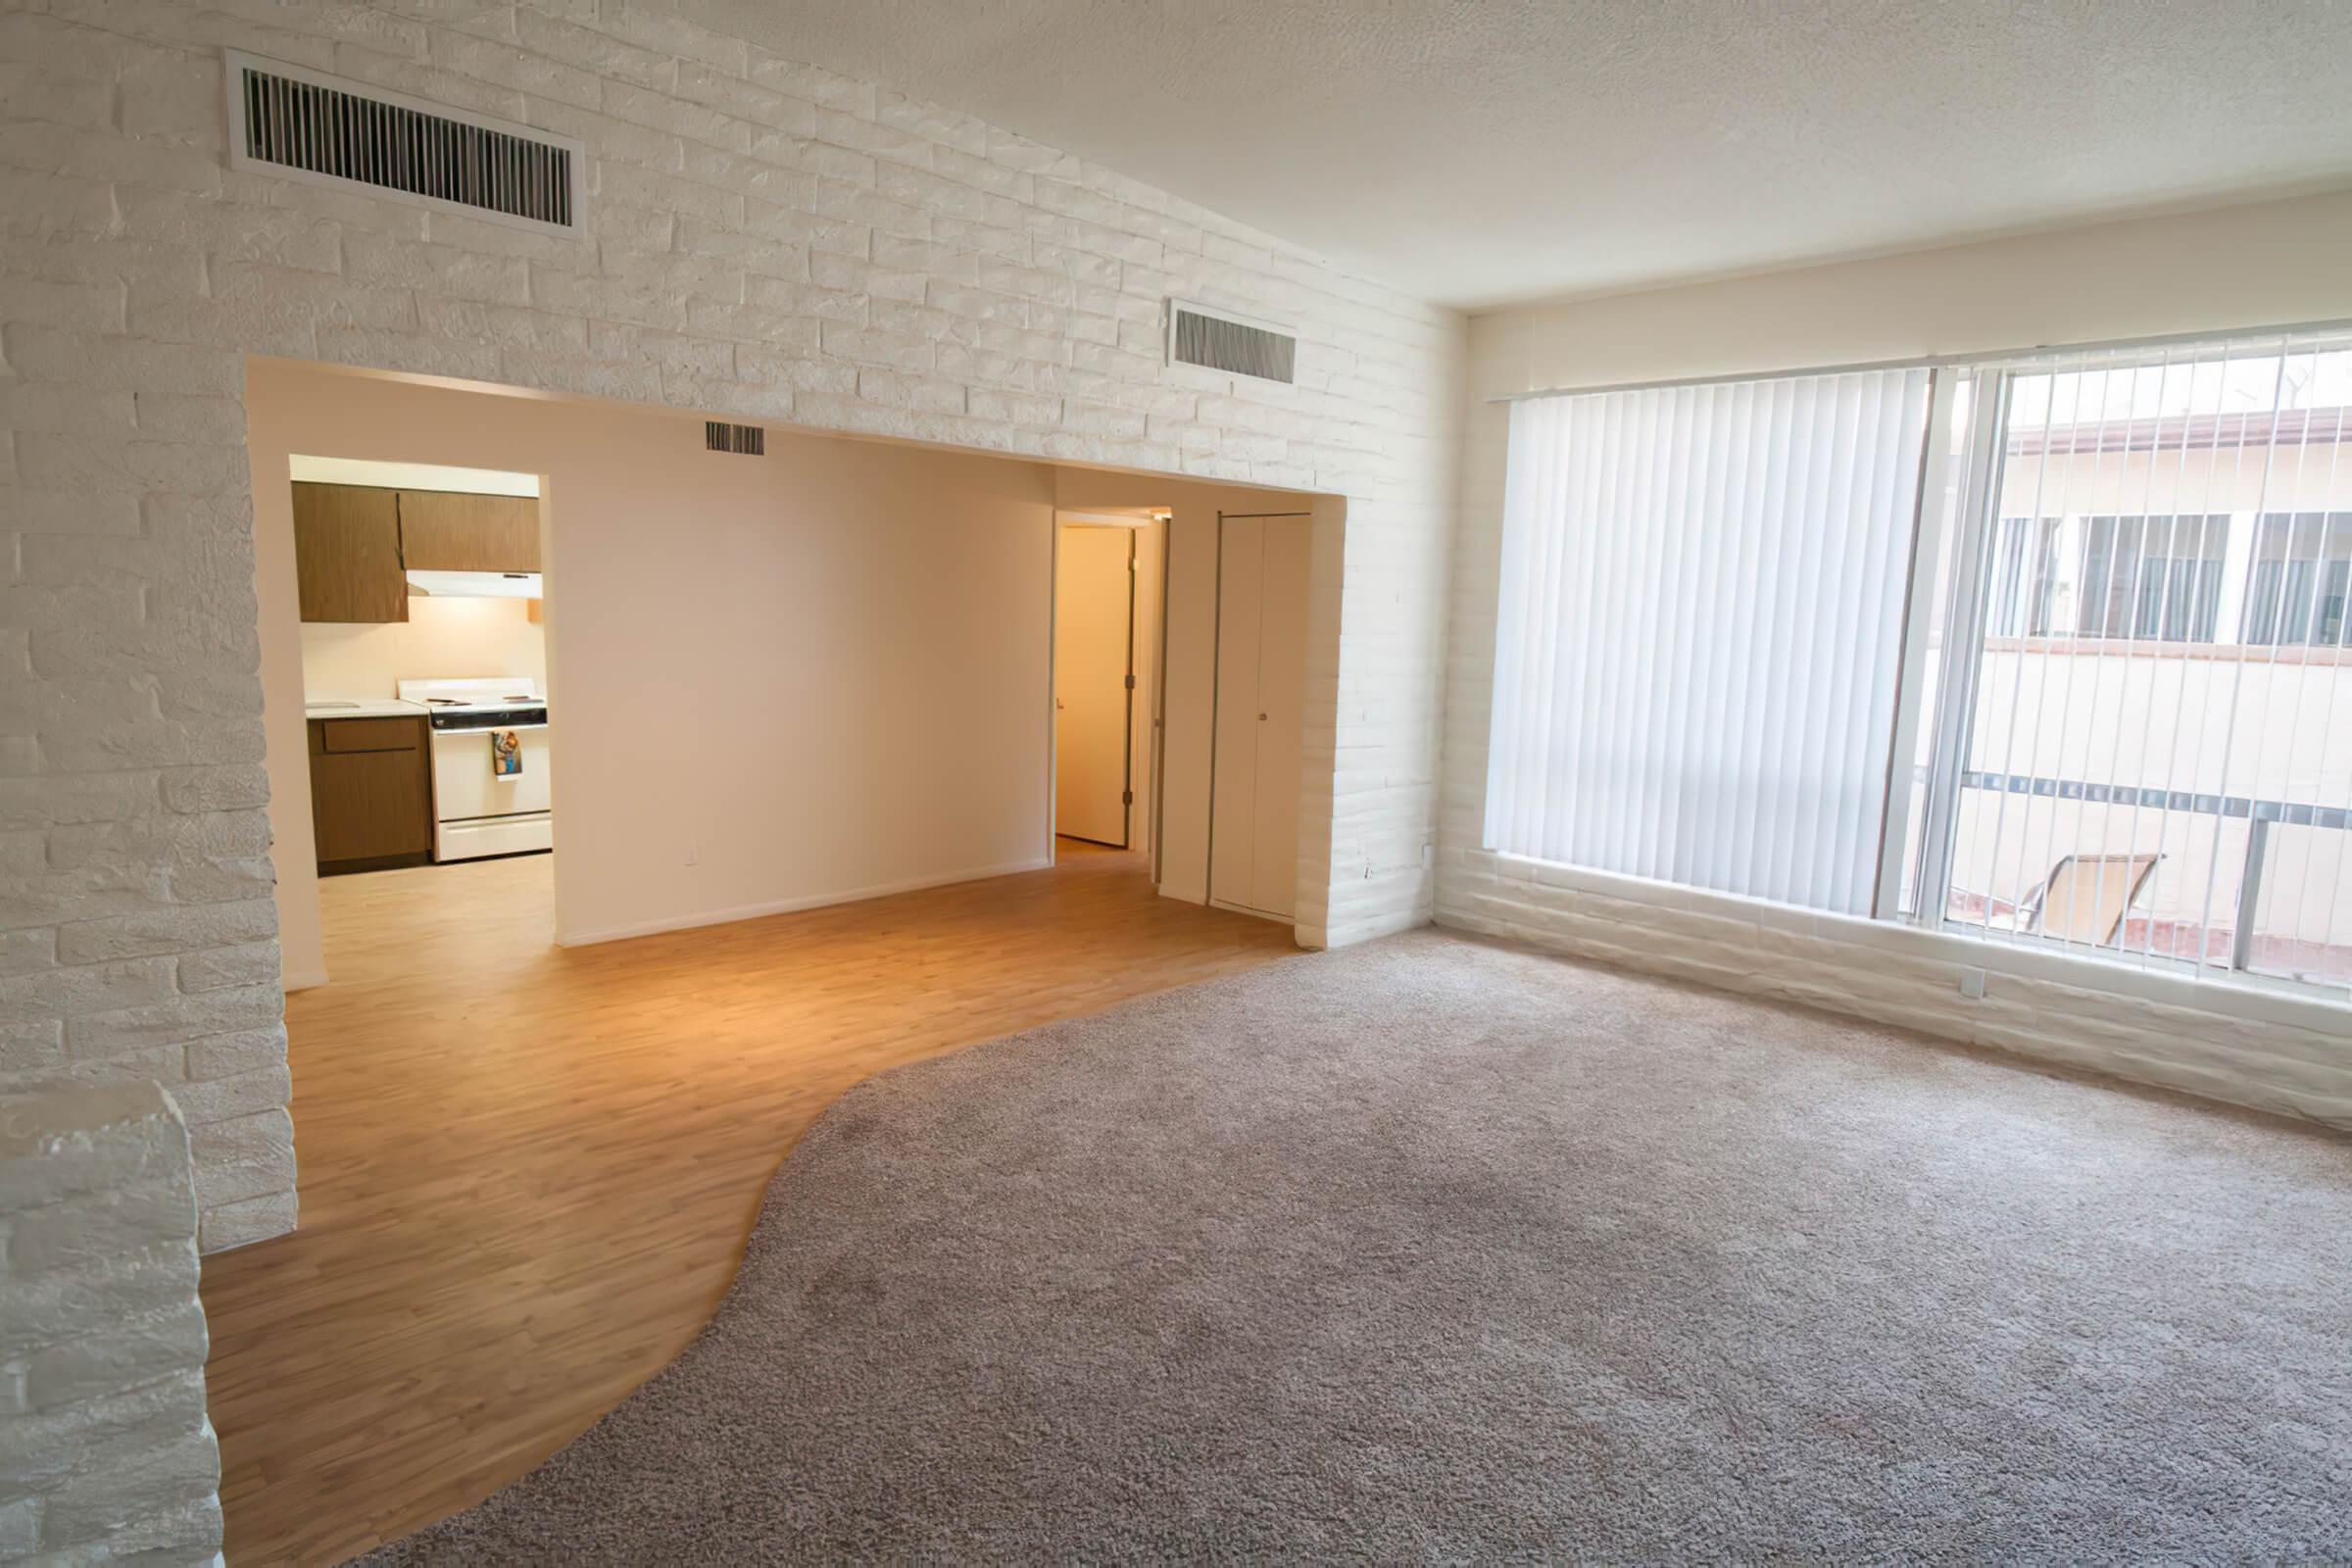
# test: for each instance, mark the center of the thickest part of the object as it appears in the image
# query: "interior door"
(1281, 684)
(1094, 662)
(1233, 782)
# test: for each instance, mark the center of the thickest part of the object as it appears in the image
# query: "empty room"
(1097, 780)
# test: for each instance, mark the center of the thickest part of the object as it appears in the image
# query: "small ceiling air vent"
(301, 125)
(750, 440)
(1230, 343)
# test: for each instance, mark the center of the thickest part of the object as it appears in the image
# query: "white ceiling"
(1490, 151)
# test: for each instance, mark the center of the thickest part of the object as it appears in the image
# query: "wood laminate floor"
(527, 1172)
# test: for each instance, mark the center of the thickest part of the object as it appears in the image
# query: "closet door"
(1233, 786)
(1281, 688)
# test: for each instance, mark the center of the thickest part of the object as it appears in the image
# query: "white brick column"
(104, 1452)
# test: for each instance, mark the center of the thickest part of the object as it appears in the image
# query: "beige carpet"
(1435, 1250)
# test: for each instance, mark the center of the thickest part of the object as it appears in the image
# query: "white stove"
(491, 790)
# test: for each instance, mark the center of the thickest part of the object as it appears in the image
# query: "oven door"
(481, 812)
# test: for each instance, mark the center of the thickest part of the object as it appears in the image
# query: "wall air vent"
(301, 124)
(748, 439)
(1230, 343)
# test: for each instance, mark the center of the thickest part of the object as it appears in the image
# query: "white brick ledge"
(2251, 1046)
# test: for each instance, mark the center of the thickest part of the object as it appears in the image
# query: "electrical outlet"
(694, 856)
(1972, 984)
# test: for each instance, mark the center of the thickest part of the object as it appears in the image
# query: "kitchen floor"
(527, 1172)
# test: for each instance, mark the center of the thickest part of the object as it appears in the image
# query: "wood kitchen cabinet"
(371, 792)
(441, 530)
(347, 554)
(354, 545)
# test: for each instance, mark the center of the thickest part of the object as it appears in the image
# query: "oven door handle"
(485, 729)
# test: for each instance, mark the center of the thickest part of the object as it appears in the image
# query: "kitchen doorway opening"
(418, 621)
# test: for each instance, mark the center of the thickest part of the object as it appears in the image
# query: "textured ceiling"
(1491, 151)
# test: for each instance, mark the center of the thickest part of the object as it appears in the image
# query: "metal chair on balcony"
(2085, 897)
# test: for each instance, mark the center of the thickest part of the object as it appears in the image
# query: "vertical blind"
(1699, 628)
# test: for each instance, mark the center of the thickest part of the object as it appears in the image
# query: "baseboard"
(301, 981)
(818, 901)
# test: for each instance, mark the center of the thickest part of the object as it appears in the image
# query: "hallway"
(527, 1172)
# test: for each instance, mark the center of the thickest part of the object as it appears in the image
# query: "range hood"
(475, 584)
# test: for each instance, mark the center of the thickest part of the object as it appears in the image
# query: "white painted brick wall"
(2271, 1052)
(105, 1451)
(767, 240)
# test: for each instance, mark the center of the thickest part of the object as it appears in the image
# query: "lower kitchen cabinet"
(371, 792)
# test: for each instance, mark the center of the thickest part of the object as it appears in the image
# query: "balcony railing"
(2240, 944)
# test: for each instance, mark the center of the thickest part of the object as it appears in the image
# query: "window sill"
(2151, 648)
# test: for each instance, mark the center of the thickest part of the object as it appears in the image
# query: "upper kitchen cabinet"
(441, 530)
(347, 554)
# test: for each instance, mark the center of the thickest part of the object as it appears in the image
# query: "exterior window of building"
(2302, 572)
(2153, 578)
(2025, 577)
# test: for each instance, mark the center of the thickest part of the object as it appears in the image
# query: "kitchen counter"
(362, 707)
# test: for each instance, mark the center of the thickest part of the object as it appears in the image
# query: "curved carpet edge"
(1437, 1248)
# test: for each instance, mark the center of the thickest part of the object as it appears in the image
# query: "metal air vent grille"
(749, 440)
(287, 120)
(1225, 343)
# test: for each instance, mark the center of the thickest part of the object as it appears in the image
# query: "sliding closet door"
(1233, 788)
(1281, 682)
(1261, 676)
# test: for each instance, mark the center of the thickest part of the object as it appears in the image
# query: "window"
(2023, 578)
(2158, 579)
(1699, 630)
(2051, 652)
(2302, 569)
(2169, 789)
